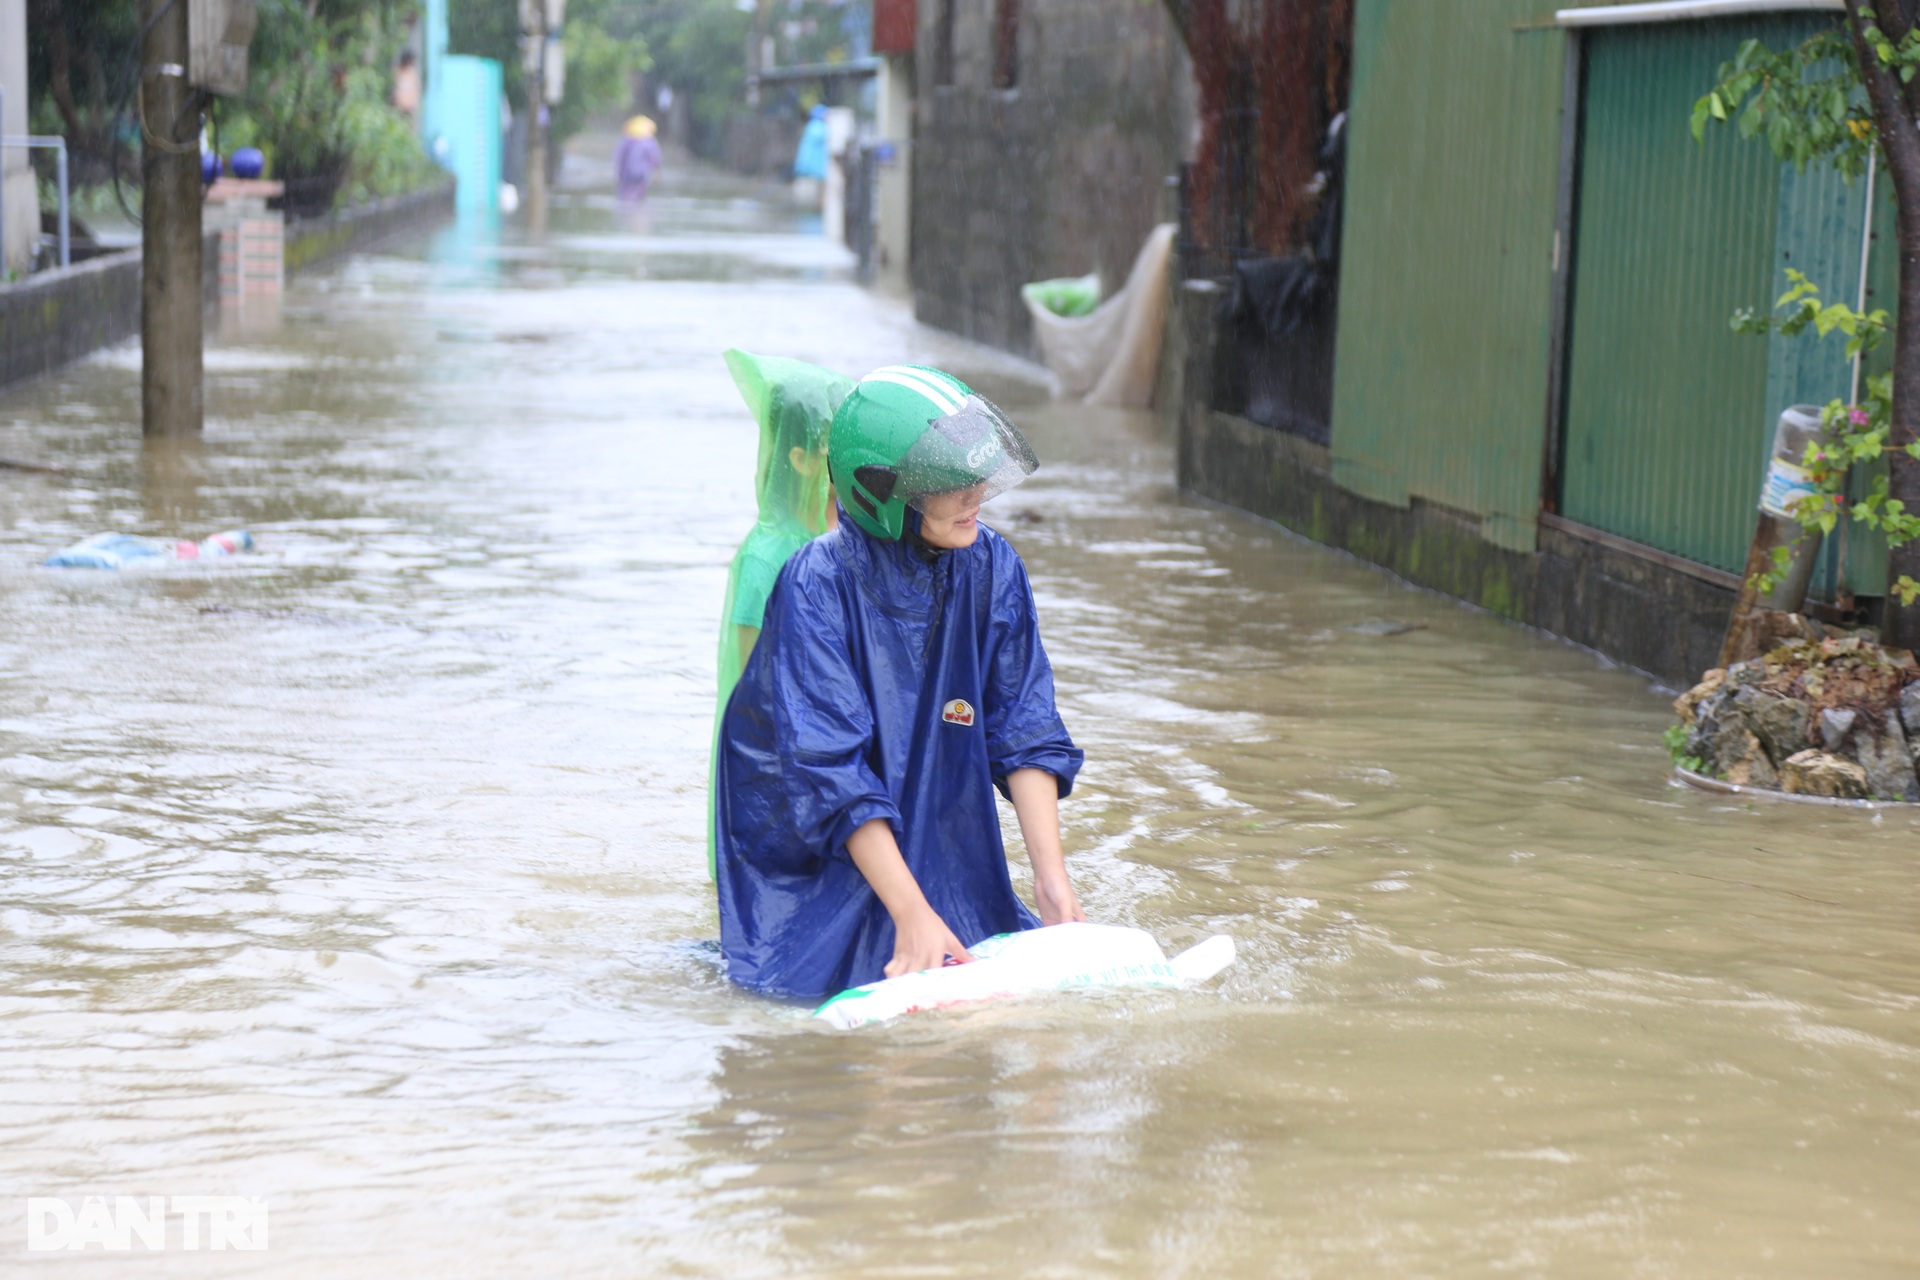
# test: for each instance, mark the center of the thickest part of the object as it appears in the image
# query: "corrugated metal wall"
(1866, 552)
(1440, 379)
(1818, 232)
(1669, 412)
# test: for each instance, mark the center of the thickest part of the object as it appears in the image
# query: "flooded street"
(366, 874)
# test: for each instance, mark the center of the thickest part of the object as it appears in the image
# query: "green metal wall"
(1440, 381)
(1818, 232)
(1866, 552)
(1669, 412)
(1441, 376)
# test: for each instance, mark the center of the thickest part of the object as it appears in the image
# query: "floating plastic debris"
(118, 550)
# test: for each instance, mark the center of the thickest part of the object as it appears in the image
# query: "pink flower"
(1858, 417)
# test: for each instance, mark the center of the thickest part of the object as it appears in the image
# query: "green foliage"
(811, 31)
(605, 50)
(606, 54)
(1676, 739)
(80, 67)
(1809, 103)
(490, 29)
(1805, 101)
(89, 204)
(1856, 434)
(699, 48)
(384, 155)
(317, 99)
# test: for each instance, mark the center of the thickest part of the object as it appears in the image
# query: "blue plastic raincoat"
(810, 157)
(883, 686)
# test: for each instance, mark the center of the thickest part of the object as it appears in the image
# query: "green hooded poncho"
(793, 401)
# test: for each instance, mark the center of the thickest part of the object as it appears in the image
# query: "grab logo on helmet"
(959, 712)
(981, 452)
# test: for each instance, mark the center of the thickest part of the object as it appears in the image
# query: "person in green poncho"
(793, 402)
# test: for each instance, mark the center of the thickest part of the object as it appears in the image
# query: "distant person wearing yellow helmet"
(636, 160)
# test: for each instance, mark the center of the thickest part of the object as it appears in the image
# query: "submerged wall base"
(1661, 618)
(314, 241)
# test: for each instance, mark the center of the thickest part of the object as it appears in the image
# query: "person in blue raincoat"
(899, 680)
(810, 156)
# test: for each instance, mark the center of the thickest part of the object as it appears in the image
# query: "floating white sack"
(1007, 965)
(1112, 356)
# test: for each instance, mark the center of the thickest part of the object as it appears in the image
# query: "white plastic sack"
(1112, 357)
(1062, 957)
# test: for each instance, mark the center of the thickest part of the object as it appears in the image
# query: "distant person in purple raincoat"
(636, 160)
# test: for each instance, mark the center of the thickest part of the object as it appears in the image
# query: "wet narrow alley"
(367, 873)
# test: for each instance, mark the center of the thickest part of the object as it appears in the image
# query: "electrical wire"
(130, 80)
(148, 138)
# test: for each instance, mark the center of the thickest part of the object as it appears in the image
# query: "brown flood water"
(365, 874)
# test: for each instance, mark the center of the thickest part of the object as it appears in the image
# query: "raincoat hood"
(793, 402)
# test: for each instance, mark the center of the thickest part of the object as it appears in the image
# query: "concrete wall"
(1447, 258)
(51, 318)
(59, 316)
(22, 202)
(1062, 174)
(761, 146)
(893, 194)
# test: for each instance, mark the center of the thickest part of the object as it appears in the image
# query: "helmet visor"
(974, 447)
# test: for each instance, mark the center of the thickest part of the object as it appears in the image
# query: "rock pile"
(1837, 716)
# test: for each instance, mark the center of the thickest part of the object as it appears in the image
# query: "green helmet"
(908, 433)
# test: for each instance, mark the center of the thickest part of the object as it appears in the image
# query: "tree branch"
(1897, 21)
(1892, 115)
(49, 19)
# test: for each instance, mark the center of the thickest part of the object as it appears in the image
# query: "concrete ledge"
(1633, 605)
(1290, 480)
(55, 317)
(313, 241)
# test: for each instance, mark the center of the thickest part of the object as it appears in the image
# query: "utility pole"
(536, 201)
(170, 298)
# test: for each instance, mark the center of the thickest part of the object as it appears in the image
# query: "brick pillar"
(253, 252)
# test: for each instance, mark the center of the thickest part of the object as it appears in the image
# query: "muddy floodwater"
(365, 874)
